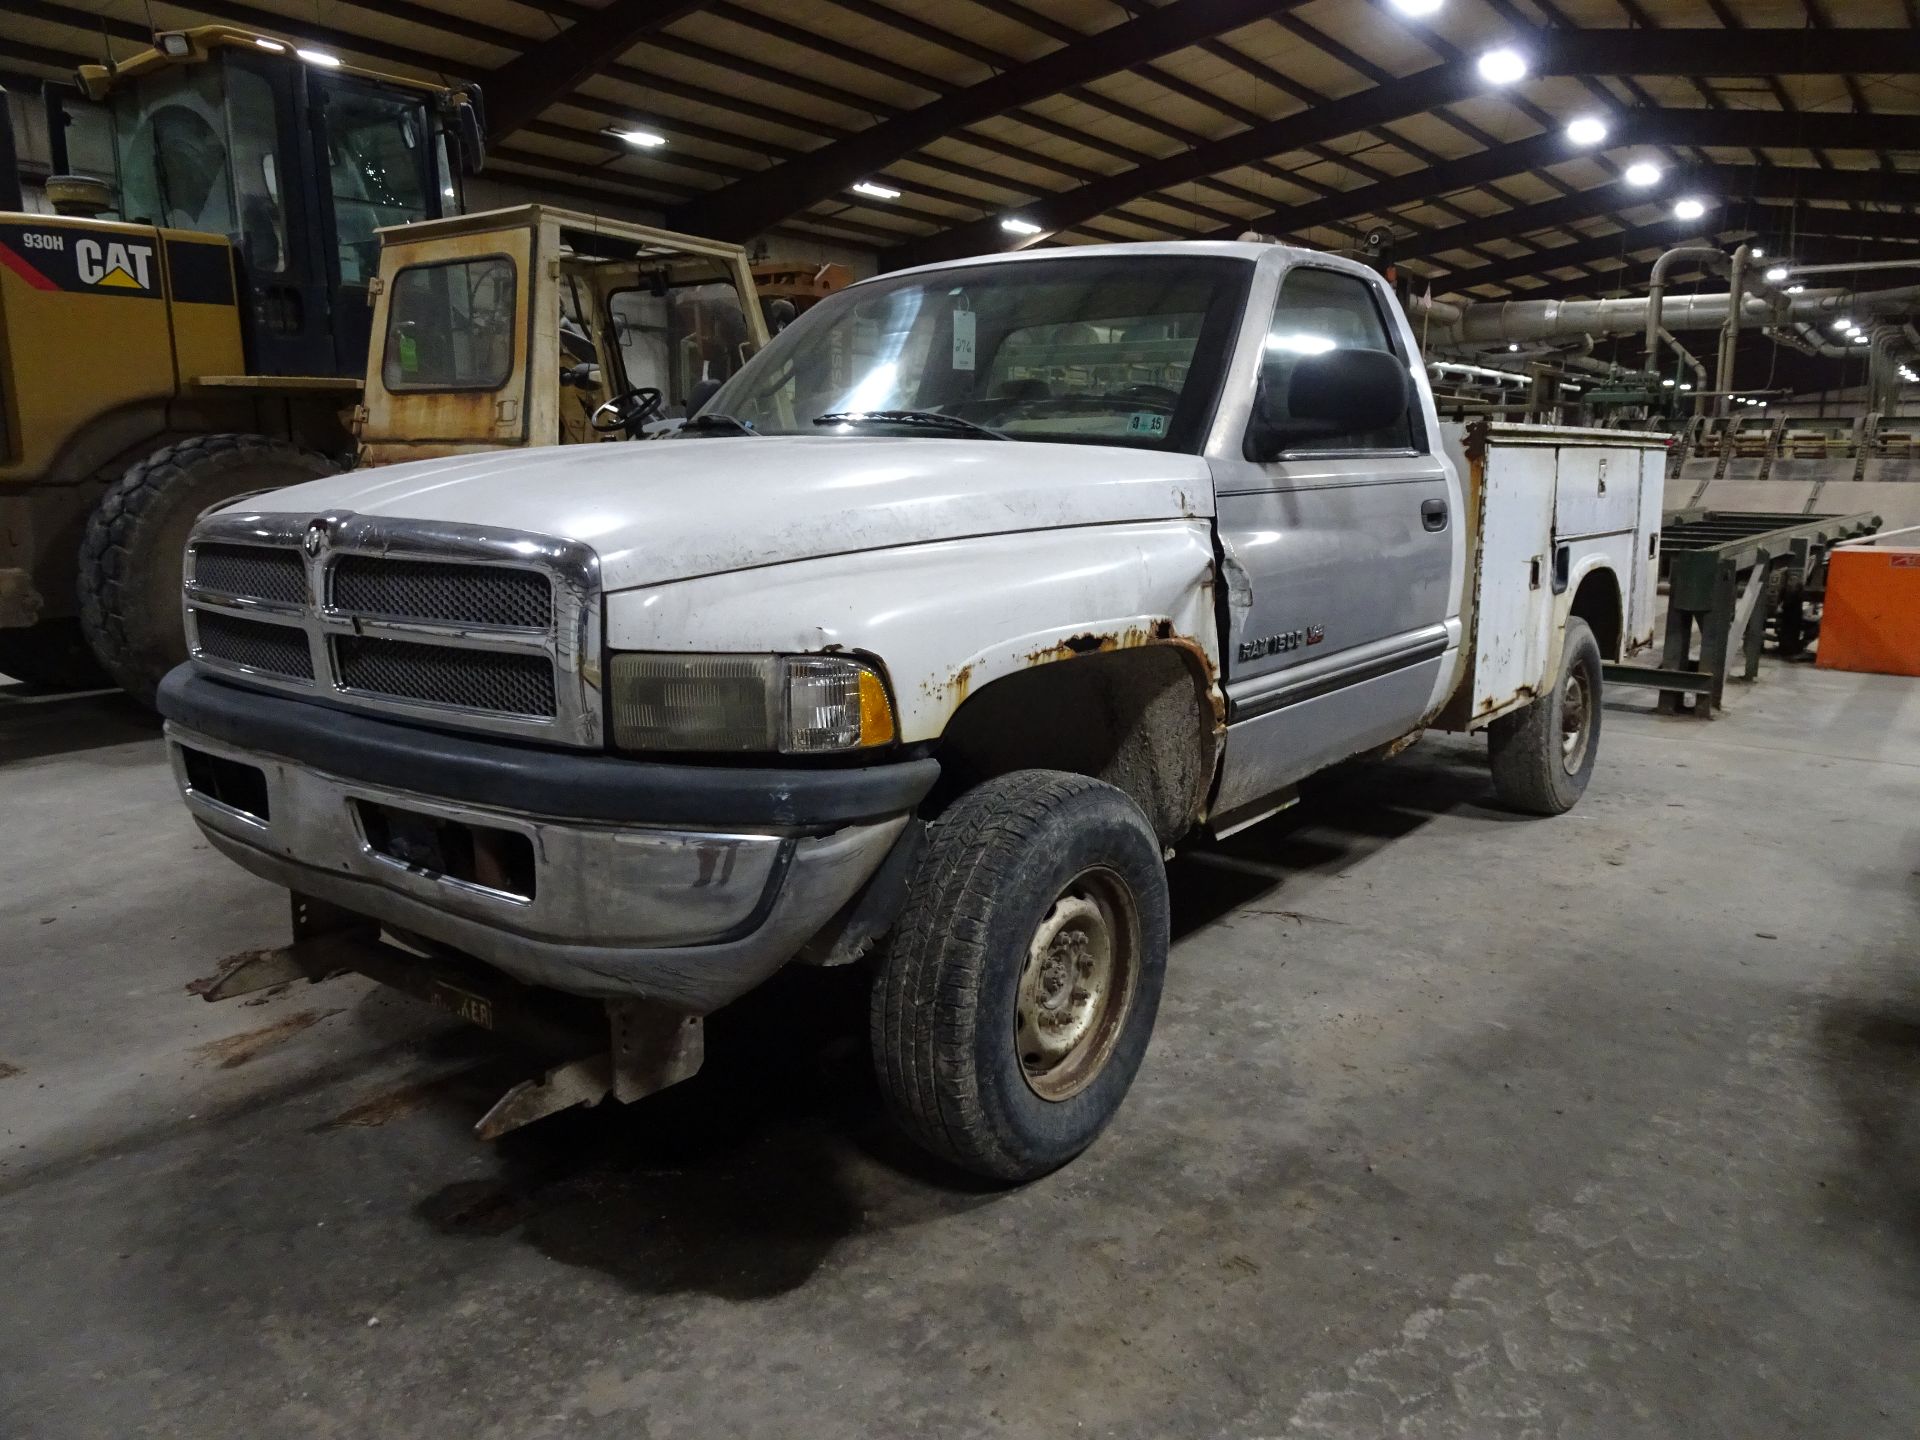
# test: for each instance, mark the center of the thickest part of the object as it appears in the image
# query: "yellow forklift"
(195, 328)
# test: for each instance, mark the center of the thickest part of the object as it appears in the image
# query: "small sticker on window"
(963, 331)
(1145, 422)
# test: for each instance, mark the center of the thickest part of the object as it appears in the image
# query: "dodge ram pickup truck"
(921, 646)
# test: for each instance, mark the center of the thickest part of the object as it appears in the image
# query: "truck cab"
(922, 644)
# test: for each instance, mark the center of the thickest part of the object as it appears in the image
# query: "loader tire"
(1543, 755)
(52, 655)
(131, 559)
(1016, 993)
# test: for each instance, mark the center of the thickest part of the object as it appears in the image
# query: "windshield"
(378, 161)
(174, 165)
(1095, 350)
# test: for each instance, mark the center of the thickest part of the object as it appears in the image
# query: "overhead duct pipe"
(1730, 330)
(1523, 321)
(1716, 259)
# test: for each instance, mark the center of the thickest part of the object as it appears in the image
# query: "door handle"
(1433, 514)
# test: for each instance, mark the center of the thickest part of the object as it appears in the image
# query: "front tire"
(131, 559)
(1017, 991)
(1543, 756)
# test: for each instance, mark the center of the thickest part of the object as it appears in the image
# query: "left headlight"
(799, 704)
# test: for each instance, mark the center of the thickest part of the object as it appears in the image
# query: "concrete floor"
(1456, 1125)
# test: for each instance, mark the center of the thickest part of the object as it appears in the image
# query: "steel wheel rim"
(1576, 713)
(1076, 985)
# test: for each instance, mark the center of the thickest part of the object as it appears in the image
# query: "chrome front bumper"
(690, 917)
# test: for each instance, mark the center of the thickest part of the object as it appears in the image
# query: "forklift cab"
(298, 159)
(537, 326)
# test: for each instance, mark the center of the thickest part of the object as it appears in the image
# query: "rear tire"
(131, 559)
(52, 655)
(1543, 755)
(1016, 993)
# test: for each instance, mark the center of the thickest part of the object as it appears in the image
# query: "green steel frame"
(1729, 573)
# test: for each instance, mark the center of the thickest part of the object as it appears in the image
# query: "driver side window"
(1321, 310)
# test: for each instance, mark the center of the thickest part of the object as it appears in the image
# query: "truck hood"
(673, 509)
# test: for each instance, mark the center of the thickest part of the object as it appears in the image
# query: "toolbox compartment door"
(1514, 608)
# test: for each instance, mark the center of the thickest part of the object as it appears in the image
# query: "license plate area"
(482, 857)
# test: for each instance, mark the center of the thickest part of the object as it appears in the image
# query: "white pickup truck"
(922, 645)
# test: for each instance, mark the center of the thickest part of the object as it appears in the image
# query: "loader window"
(173, 155)
(451, 326)
(198, 148)
(379, 150)
(253, 120)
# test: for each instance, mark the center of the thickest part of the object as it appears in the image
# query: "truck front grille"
(449, 594)
(275, 649)
(446, 675)
(251, 572)
(449, 624)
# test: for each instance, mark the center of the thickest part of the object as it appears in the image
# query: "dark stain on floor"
(231, 1051)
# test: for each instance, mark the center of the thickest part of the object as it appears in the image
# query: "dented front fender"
(947, 619)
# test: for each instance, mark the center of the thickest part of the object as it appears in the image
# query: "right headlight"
(798, 704)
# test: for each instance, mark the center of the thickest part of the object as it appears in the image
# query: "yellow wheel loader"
(196, 326)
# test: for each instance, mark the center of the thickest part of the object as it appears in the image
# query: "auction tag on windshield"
(1145, 422)
(963, 331)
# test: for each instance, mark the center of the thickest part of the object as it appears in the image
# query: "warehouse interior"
(1455, 1120)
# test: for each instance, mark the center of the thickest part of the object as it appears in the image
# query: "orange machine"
(1872, 617)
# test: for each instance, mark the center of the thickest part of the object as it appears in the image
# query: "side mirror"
(702, 392)
(1317, 397)
(473, 137)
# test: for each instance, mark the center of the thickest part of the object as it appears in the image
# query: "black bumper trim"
(577, 786)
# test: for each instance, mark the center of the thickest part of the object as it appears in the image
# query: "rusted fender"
(947, 619)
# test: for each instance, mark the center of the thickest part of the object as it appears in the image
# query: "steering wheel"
(628, 411)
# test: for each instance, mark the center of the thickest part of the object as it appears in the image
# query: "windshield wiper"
(908, 417)
(709, 420)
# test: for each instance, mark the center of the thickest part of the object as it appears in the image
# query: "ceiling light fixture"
(1796, 290)
(1417, 7)
(878, 192)
(266, 44)
(1777, 274)
(1843, 323)
(1689, 209)
(1503, 66)
(1642, 175)
(1018, 226)
(1587, 130)
(320, 58)
(639, 139)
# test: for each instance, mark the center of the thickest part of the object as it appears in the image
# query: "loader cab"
(299, 160)
(536, 326)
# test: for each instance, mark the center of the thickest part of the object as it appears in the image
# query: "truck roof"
(1230, 249)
